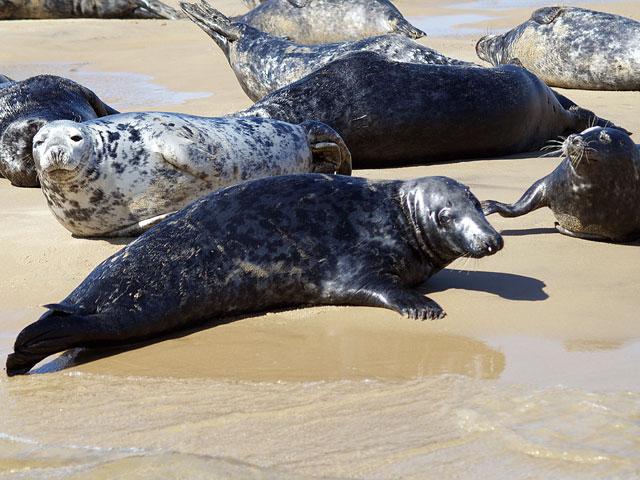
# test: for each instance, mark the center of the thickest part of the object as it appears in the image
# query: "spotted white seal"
(595, 191)
(263, 62)
(120, 175)
(291, 240)
(23, 9)
(324, 21)
(571, 47)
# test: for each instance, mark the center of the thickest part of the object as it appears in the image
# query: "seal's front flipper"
(139, 227)
(330, 153)
(156, 9)
(55, 332)
(535, 197)
(388, 292)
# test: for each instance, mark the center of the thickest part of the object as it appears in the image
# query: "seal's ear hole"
(76, 138)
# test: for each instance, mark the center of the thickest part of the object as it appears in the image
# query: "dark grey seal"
(571, 47)
(27, 106)
(22, 9)
(263, 62)
(594, 193)
(393, 113)
(325, 21)
(283, 241)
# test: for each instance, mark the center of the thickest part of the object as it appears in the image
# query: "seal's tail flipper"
(156, 9)
(403, 27)
(330, 153)
(222, 29)
(54, 332)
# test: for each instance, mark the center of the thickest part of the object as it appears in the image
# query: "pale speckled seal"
(325, 21)
(27, 106)
(290, 240)
(392, 113)
(571, 47)
(119, 175)
(594, 193)
(23, 9)
(263, 62)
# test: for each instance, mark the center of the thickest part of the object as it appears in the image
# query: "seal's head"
(597, 150)
(490, 48)
(61, 151)
(448, 220)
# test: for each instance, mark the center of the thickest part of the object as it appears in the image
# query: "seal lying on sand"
(27, 106)
(302, 240)
(19, 9)
(325, 21)
(594, 193)
(392, 113)
(120, 175)
(571, 47)
(264, 63)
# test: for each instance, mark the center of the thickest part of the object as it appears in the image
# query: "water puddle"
(121, 90)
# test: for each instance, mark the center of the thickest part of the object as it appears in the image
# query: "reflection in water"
(95, 426)
(121, 90)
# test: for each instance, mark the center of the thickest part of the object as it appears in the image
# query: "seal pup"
(28, 105)
(119, 175)
(571, 47)
(393, 113)
(24, 9)
(301, 240)
(263, 62)
(325, 21)
(595, 191)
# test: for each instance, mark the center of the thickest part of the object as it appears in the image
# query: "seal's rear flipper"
(55, 332)
(156, 9)
(220, 28)
(535, 197)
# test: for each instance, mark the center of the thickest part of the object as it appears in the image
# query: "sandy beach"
(531, 335)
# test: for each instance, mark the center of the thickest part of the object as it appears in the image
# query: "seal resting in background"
(594, 193)
(325, 21)
(393, 113)
(22, 9)
(27, 106)
(264, 63)
(571, 47)
(120, 175)
(285, 241)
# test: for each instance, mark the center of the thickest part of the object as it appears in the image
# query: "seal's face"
(450, 221)
(490, 49)
(61, 150)
(601, 151)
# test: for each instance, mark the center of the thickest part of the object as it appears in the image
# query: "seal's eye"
(37, 143)
(444, 218)
(76, 138)
(604, 137)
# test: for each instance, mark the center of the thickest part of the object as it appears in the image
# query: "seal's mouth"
(57, 165)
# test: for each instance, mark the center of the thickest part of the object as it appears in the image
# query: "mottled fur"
(22, 9)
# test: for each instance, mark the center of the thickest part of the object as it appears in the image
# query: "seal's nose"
(494, 243)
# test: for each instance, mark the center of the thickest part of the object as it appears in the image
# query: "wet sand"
(548, 312)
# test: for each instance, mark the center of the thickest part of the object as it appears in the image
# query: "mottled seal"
(119, 175)
(594, 193)
(325, 21)
(27, 106)
(393, 113)
(290, 240)
(19, 9)
(571, 47)
(263, 62)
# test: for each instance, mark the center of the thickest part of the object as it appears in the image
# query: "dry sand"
(548, 309)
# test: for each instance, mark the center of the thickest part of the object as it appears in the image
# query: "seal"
(595, 191)
(393, 113)
(263, 62)
(571, 47)
(304, 239)
(119, 175)
(28, 105)
(25, 9)
(325, 21)
(4, 79)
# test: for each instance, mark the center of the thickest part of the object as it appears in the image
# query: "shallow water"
(121, 90)
(447, 425)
